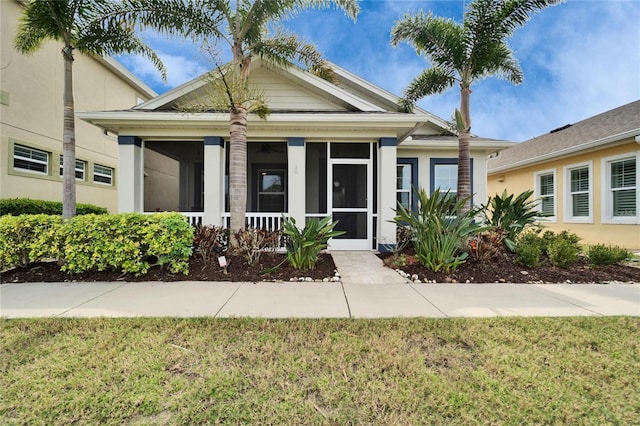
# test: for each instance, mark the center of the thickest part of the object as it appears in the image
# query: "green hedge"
(18, 206)
(129, 242)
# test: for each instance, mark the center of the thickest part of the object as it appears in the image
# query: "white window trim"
(76, 169)
(607, 198)
(35, 172)
(102, 174)
(568, 201)
(536, 194)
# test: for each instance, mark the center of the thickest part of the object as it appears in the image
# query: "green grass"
(398, 371)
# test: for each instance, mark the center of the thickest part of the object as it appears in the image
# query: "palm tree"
(72, 22)
(245, 30)
(464, 53)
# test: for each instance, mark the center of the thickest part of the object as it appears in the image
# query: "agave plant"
(441, 229)
(305, 245)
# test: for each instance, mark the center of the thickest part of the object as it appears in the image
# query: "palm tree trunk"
(68, 140)
(464, 151)
(238, 170)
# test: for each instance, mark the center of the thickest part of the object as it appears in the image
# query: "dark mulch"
(505, 269)
(237, 270)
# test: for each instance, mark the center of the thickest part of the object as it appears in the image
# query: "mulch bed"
(499, 270)
(237, 270)
(505, 269)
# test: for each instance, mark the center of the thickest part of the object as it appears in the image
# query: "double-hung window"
(406, 180)
(30, 160)
(102, 174)
(545, 192)
(578, 195)
(81, 166)
(621, 189)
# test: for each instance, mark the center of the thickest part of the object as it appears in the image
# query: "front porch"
(353, 182)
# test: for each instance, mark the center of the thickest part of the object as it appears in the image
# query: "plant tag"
(222, 261)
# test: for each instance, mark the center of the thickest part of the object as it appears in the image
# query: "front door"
(350, 201)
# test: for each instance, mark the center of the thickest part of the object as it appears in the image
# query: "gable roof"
(327, 96)
(609, 127)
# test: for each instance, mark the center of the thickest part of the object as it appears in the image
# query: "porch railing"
(267, 221)
(195, 218)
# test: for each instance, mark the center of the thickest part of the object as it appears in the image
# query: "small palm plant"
(305, 245)
(440, 228)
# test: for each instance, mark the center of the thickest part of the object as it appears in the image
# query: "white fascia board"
(484, 145)
(331, 88)
(126, 75)
(582, 148)
(173, 94)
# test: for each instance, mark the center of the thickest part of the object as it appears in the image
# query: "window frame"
(433, 162)
(538, 196)
(607, 191)
(413, 163)
(95, 173)
(568, 216)
(46, 162)
(83, 170)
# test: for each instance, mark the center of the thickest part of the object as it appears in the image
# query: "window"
(102, 174)
(81, 166)
(545, 190)
(578, 193)
(271, 191)
(406, 179)
(444, 175)
(30, 160)
(621, 183)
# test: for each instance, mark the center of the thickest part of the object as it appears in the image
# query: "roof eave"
(620, 137)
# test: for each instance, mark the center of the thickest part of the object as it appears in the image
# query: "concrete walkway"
(366, 291)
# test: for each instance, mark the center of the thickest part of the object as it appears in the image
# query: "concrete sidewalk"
(315, 300)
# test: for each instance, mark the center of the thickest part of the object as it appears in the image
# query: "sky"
(579, 58)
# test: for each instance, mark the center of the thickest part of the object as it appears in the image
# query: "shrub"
(19, 206)
(28, 238)
(529, 250)
(127, 242)
(252, 243)
(564, 249)
(510, 216)
(210, 242)
(487, 245)
(600, 254)
(440, 229)
(304, 246)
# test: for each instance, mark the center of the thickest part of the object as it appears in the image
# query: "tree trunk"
(238, 171)
(464, 151)
(68, 140)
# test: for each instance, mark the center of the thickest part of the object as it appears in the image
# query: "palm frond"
(431, 81)
(39, 22)
(439, 39)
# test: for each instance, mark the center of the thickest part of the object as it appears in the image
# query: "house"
(327, 149)
(31, 112)
(585, 176)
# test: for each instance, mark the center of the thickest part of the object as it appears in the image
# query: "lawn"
(397, 371)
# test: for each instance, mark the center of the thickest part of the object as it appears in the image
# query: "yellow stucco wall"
(517, 181)
(32, 113)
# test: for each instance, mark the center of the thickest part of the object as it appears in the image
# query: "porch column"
(130, 174)
(213, 180)
(296, 176)
(387, 158)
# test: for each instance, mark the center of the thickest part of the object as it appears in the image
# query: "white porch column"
(387, 176)
(296, 178)
(213, 180)
(130, 174)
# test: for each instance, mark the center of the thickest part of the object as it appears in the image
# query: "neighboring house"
(340, 150)
(585, 176)
(31, 119)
